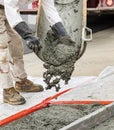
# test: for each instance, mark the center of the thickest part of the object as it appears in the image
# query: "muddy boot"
(26, 85)
(12, 97)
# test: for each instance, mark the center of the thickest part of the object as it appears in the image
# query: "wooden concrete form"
(92, 119)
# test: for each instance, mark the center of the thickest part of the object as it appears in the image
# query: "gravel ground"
(52, 118)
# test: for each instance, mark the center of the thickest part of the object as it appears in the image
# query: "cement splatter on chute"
(59, 55)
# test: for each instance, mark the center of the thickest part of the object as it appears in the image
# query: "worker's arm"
(51, 12)
(54, 18)
(18, 24)
(12, 12)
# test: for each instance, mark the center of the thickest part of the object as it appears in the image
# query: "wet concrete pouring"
(52, 117)
(59, 54)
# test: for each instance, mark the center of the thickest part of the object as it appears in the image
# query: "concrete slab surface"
(84, 88)
(101, 88)
(33, 99)
(91, 120)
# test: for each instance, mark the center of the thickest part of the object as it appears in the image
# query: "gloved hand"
(33, 43)
(27, 34)
(59, 30)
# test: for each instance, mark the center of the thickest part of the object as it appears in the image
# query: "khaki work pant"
(11, 54)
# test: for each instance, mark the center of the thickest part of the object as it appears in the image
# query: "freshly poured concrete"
(52, 117)
(84, 88)
(35, 98)
(107, 125)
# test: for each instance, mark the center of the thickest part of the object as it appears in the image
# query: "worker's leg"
(22, 84)
(9, 94)
(16, 55)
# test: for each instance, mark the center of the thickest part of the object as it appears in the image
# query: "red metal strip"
(102, 102)
(23, 113)
(46, 102)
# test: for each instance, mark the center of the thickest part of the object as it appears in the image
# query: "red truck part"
(100, 3)
(35, 4)
(92, 3)
(100, 7)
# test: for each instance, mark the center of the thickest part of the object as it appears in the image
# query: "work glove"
(27, 34)
(33, 43)
(59, 29)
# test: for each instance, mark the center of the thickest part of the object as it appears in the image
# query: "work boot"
(12, 97)
(59, 29)
(26, 85)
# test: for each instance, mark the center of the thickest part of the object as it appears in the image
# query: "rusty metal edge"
(91, 120)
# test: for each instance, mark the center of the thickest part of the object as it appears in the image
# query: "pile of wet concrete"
(53, 117)
(107, 125)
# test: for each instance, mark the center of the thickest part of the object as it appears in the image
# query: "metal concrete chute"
(59, 57)
(86, 32)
